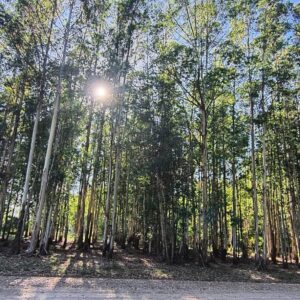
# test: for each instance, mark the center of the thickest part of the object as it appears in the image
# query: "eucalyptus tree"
(271, 39)
(198, 29)
(44, 181)
(130, 18)
(197, 147)
(23, 53)
(15, 90)
(42, 74)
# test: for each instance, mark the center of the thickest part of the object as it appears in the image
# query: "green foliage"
(182, 77)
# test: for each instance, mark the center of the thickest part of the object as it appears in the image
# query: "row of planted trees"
(192, 150)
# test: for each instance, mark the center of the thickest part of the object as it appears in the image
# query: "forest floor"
(132, 264)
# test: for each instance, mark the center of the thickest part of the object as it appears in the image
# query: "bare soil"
(131, 264)
(12, 287)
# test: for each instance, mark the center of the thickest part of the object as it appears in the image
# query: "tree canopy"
(171, 126)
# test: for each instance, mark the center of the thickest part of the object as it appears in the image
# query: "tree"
(45, 175)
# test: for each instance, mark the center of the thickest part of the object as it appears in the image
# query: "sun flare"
(100, 92)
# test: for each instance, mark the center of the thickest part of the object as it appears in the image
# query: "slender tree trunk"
(19, 233)
(254, 190)
(92, 203)
(233, 167)
(214, 201)
(282, 225)
(8, 229)
(8, 167)
(162, 215)
(116, 185)
(66, 227)
(20, 227)
(253, 156)
(204, 245)
(42, 194)
(225, 242)
(264, 158)
(84, 182)
(107, 200)
(45, 239)
(144, 220)
(7, 208)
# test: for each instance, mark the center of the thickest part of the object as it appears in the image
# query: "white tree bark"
(43, 188)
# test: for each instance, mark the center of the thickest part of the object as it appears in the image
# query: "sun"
(100, 92)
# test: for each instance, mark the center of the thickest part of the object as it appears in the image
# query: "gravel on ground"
(12, 287)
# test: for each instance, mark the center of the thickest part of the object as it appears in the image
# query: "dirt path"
(94, 288)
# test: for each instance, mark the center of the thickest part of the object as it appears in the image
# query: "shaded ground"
(136, 265)
(94, 288)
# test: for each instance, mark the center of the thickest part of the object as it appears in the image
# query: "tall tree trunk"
(107, 200)
(162, 216)
(8, 206)
(233, 168)
(45, 239)
(92, 202)
(115, 198)
(42, 194)
(225, 236)
(8, 167)
(20, 227)
(264, 158)
(84, 182)
(253, 156)
(204, 245)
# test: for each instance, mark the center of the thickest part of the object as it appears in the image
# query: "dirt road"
(95, 288)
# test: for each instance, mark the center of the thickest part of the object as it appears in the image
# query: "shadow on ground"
(135, 265)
